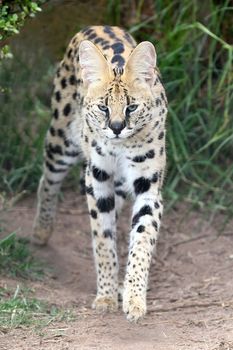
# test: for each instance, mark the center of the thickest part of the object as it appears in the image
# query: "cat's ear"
(142, 62)
(94, 67)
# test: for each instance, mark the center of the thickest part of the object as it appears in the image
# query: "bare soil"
(190, 297)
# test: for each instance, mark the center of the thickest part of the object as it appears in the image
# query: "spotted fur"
(109, 109)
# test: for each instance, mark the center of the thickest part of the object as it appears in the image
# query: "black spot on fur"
(62, 162)
(56, 149)
(119, 60)
(156, 204)
(72, 79)
(52, 131)
(56, 113)
(99, 175)
(139, 159)
(89, 190)
(156, 124)
(72, 153)
(141, 185)
(99, 150)
(129, 38)
(93, 143)
(49, 154)
(51, 182)
(155, 177)
(52, 168)
(67, 109)
(141, 228)
(155, 225)
(107, 234)
(98, 40)
(163, 97)
(109, 31)
(69, 53)
(61, 133)
(150, 154)
(152, 241)
(121, 193)
(63, 83)
(145, 210)
(104, 43)
(105, 205)
(58, 96)
(87, 30)
(118, 48)
(91, 36)
(93, 214)
(118, 183)
(67, 143)
(161, 135)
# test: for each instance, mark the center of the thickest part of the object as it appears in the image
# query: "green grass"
(196, 62)
(16, 259)
(195, 58)
(19, 308)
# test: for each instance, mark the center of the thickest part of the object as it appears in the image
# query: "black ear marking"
(118, 71)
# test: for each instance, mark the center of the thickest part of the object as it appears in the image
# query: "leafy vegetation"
(200, 128)
(14, 88)
(16, 259)
(19, 308)
(12, 18)
(195, 57)
(24, 118)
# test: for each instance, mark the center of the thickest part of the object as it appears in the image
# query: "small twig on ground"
(227, 233)
(190, 240)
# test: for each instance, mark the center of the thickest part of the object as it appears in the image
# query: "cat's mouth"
(117, 138)
(121, 136)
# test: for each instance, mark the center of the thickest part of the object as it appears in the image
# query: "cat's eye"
(130, 109)
(103, 108)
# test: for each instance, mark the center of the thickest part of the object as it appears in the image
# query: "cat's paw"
(134, 306)
(105, 304)
(41, 235)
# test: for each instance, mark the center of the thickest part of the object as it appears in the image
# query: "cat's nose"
(117, 127)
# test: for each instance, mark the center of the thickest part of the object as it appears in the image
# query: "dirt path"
(190, 301)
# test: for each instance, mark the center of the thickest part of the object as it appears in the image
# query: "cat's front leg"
(101, 204)
(147, 212)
